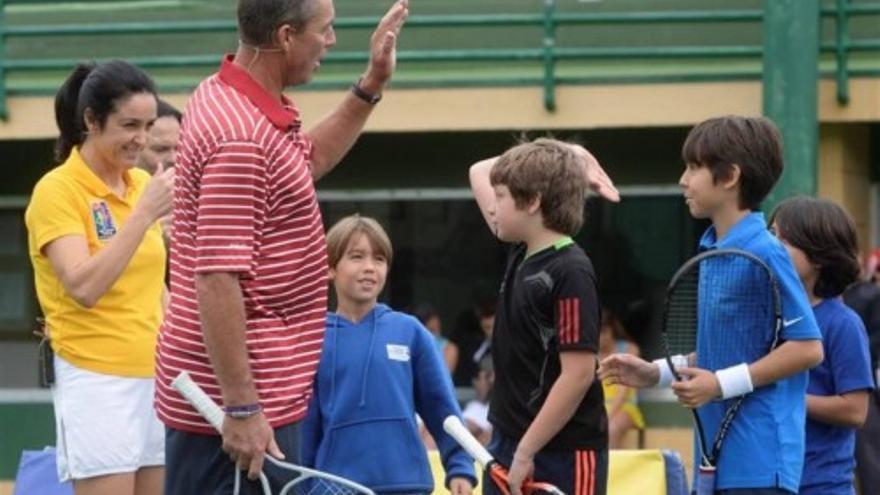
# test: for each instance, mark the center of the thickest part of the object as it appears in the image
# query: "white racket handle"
(199, 399)
(471, 445)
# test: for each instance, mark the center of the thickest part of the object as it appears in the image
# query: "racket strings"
(304, 484)
(681, 314)
(739, 294)
(316, 486)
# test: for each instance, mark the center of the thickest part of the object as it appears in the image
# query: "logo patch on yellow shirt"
(104, 227)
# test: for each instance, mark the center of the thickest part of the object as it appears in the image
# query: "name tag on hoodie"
(398, 352)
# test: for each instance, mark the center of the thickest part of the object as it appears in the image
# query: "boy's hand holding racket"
(697, 387)
(498, 474)
(521, 469)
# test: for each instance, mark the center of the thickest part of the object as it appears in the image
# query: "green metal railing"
(843, 45)
(548, 56)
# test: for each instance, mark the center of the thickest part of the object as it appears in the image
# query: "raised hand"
(597, 179)
(383, 48)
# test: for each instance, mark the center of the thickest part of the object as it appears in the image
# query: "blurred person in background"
(476, 411)
(161, 149)
(430, 318)
(864, 298)
(621, 402)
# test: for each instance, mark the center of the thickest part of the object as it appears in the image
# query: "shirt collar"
(87, 177)
(283, 114)
(748, 227)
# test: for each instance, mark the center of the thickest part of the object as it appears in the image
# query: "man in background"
(162, 140)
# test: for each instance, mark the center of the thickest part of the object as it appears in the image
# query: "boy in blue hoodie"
(378, 369)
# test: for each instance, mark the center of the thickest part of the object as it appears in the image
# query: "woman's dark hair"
(827, 236)
(99, 88)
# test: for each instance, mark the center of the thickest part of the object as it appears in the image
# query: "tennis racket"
(496, 471)
(305, 481)
(740, 285)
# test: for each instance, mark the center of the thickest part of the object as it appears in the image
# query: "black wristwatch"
(360, 93)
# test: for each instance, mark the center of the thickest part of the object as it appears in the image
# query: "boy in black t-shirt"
(547, 409)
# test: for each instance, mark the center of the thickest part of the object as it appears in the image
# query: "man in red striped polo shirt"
(248, 262)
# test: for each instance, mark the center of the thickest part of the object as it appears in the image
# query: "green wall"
(23, 427)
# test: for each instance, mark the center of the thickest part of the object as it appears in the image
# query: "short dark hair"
(550, 170)
(165, 109)
(98, 88)
(754, 144)
(258, 19)
(826, 234)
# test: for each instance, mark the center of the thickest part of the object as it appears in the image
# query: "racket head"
(722, 308)
(728, 286)
(312, 482)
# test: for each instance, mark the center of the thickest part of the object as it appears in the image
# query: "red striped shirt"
(245, 203)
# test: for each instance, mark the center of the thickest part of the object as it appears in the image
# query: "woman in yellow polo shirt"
(99, 262)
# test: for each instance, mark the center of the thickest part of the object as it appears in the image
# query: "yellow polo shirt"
(118, 335)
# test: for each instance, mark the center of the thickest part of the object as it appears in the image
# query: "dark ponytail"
(69, 122)
(97, 87)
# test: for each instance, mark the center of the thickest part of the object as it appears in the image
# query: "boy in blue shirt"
(732, 164)
(821, 238)
(547, 410)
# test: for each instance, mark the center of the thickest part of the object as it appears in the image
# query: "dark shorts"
(575, 472)
(197, 464)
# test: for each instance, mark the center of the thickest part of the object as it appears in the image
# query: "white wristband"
(666, 375)
(735, 381)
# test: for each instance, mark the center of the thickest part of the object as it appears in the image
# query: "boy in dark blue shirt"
(821, 238)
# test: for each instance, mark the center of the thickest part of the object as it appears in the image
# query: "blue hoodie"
(373, 378)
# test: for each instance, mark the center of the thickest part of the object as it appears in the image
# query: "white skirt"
(104, 424)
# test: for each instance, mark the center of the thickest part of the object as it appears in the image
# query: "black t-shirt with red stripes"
(547, 304)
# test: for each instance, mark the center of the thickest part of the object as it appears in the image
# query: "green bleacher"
(179, 41)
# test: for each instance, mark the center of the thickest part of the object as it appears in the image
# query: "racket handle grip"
(199, 399)
(705, 481)
(471, 445)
